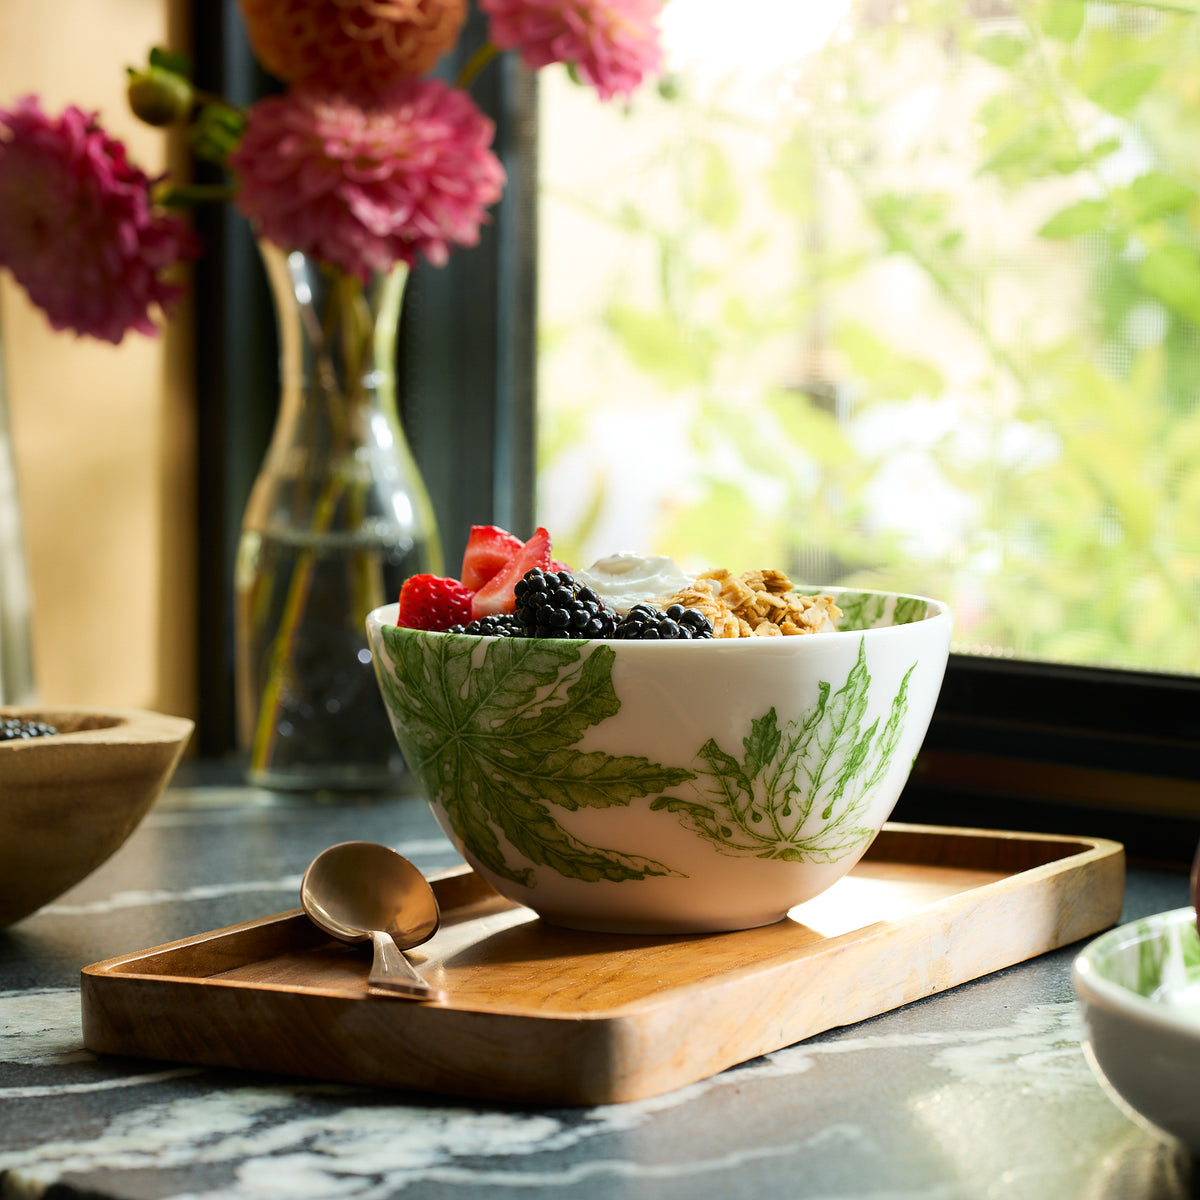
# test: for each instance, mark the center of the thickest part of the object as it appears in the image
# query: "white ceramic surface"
(666, 787)
(1139, 988)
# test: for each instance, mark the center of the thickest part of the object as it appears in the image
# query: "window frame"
(1047, 747)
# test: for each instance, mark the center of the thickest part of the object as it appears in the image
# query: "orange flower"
(351, 45)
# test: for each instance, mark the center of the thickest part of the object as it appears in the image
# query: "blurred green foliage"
(992, 301)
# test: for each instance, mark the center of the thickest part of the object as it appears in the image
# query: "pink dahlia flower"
(363, 188)
(351, 45)
(77, 226)
(613, 44)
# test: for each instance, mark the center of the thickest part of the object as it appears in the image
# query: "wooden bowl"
(69, 801)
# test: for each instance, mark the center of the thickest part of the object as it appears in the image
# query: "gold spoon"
(362, 891)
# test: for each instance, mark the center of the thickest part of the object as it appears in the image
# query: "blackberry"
(496, 625)
(645, 623)
(13, 729)
(551, 604)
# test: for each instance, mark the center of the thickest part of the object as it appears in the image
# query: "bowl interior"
(67, 802)
(1151, 967)
(66, 720)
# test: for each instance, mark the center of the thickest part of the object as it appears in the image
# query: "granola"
(756, 604)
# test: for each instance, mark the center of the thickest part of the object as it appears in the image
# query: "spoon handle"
(391, 970)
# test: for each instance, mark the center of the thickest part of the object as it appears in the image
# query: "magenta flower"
(78, 229)
(612, 44)
(364, 188)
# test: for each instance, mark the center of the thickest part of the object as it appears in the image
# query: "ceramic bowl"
(1139, 989)
(68, 801)
(666, 787)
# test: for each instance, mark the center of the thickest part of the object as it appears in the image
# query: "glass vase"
(16, 641)
(337, 519)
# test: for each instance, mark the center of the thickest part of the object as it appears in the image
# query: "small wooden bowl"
(69, 801)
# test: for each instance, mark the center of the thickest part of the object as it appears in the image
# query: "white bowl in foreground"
(1139, 988)
(666, 787)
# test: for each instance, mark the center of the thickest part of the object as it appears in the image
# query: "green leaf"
(492, 736)
(658, 345)
(909, 609)
(1157, 194)
(1172, 273)
(174, 61)
(1121, 91)
(811, 429)
(1086, 216)
(886, 370)
(1003, 49)
(823, 767)
(216, 131)
(889, 739)
(861, 610)
(1063, 19)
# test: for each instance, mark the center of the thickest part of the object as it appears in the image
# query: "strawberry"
(489, 550)
(431, 602)
(496, 596)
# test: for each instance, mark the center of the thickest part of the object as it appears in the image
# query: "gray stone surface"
(982, 1092)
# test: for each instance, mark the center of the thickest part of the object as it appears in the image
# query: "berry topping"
(646, 623)
(431, 602)
(16, 729)
(551, 604)
(497, 625)
(496, 596)
(489, 550)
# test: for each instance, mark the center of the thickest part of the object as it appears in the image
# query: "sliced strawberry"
(489, 550)
(555, 565)
(496, 596)
(431, 602)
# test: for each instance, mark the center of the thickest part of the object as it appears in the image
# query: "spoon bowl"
(362, 891)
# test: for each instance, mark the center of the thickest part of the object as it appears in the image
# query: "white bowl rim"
(1094, 988)
(939, 610)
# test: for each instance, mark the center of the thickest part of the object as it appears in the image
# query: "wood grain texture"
(552, 1016)
(69, 801)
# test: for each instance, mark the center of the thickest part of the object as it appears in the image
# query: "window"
(901, 295)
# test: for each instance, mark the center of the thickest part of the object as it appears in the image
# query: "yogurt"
(623, 580)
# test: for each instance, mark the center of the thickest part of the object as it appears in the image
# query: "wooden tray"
(550, 1016)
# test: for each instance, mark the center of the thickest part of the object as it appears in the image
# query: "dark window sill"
(1054, 749)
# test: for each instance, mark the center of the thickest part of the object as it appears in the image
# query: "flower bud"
(159, 97)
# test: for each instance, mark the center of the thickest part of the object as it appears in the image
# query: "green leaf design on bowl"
(490, 729)
(1150, 953)
(874, 610)
(825, 762)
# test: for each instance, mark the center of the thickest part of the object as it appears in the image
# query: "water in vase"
(308, 704)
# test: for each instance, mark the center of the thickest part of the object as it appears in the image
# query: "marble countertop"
(982, 1091)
